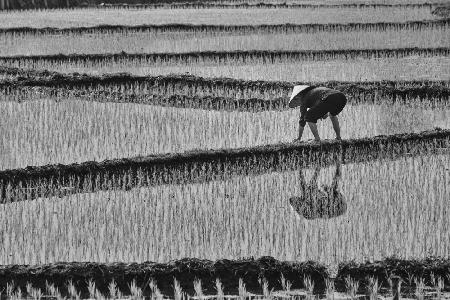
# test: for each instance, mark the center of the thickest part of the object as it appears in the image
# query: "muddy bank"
(196, 4)
(202, 166)
(405, 269)
(241, 29)
(185, 271)
(221, 56)
(122, 87)
(228, 271)
(177, 4)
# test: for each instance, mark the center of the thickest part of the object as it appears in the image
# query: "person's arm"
(302, 121)
(336, 127)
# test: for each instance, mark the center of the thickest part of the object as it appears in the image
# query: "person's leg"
(337, 104)
(315, 132)
(336, 127)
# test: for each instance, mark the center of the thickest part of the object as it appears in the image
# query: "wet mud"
(263, 28)
(251, 271)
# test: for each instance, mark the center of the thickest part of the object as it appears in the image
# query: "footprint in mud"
(315, 203)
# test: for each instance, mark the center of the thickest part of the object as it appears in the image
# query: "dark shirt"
(311, 98)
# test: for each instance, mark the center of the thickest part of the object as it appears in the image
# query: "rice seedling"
(10, 288)
(351, 286)
(156, 293)
(198, 289)
(178, 291)
(329, 288)
(420, 287)
(285, 284)
(267, 294)
(438, 284)
(93, 292)
(373, 288)
(18, 295)
(90, 17)
(242, 290)
(73, 293)
(219, 289)
(113, 290)
(309, 286)
(52, 290)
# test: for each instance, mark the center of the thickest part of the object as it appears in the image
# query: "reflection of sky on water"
(393, 207)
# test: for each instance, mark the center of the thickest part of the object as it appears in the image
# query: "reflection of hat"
(295, 91)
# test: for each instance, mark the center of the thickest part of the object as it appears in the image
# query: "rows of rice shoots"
(135, 40)
(68, 130)
(90, 17)
(241, 217)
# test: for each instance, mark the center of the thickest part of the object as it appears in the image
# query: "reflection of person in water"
(315, 203)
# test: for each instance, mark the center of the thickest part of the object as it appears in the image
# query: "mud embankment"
(234, 29)
(222, 57)
(251, 271)
(208, 165)
(216, 93)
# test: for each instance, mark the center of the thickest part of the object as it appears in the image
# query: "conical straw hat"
(294, 102)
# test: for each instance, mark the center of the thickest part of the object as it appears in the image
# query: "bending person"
(317, 103)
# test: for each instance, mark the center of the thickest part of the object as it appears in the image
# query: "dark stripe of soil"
(405, 269)
(228, 271)
(267, 55)
(267, 5)
(263, 28)
(84, 84)
(185, 271)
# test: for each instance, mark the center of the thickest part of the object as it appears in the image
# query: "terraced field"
(146, 151)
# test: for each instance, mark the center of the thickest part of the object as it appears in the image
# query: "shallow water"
(391, 207)
(47, 132)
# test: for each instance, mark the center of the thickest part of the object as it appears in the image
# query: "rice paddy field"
(147, 151)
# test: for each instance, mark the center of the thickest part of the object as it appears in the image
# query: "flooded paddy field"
(398, 205)
(66, 131)
(190, 39)
(92, 17)
(163, 164)
(265, 68)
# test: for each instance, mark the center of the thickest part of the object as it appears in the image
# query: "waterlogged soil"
(36, 133)
(382, 207)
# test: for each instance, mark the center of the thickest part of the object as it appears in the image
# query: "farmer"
(317, 103)
(316, 203)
